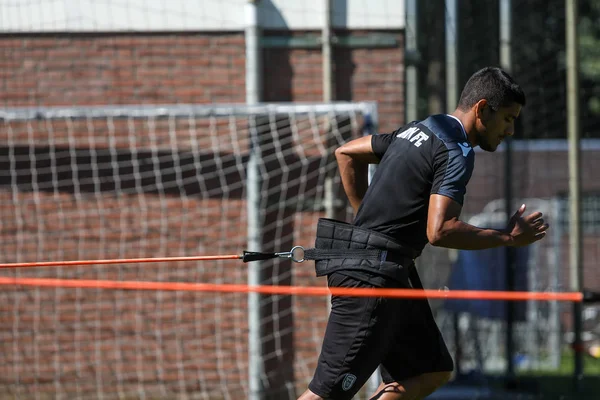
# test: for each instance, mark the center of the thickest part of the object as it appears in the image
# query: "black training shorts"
(363, 333)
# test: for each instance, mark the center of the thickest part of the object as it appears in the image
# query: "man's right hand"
(526, 230)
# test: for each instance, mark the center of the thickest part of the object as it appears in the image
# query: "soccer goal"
(125, 182)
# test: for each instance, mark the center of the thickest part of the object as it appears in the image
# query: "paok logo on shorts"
(348, 382)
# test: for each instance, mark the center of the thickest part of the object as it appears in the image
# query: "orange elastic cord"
(294, 290)
(116, 261)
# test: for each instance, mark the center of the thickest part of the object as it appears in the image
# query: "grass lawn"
(555, 384)
(559, 383)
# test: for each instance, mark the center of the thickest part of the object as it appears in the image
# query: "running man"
(415, 197)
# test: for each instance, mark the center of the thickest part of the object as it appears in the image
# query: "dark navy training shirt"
(422, 158)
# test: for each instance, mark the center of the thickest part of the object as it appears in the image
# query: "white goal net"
(160, 181)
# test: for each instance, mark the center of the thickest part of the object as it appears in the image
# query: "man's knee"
(441, 377)
(434, 380)
(309, 395)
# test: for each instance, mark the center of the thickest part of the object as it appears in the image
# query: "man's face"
(494, 126)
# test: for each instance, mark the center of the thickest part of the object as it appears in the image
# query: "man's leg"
(416, 388)
(420, 362)
(356, 340)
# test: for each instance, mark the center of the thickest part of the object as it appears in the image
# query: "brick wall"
(359, 74)
(129, 69)
(195, 68)
(105, 343)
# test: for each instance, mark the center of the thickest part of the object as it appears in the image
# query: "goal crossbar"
(185, 110)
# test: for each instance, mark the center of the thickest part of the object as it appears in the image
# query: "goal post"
(106, 182)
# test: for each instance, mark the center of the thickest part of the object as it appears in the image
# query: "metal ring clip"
(296, 254)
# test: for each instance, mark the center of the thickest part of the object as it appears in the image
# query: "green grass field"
(555, 384)
(560, 384)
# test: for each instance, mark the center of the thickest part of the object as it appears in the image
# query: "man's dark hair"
(494, 85)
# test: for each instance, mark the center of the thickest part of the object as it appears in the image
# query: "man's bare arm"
(353, 160)
(445, 229)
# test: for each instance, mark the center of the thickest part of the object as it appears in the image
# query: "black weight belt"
(341, 246)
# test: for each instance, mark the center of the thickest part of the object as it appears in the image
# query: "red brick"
(109, 338)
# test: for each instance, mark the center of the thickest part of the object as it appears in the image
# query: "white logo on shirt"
(414, 135)
(465, 147)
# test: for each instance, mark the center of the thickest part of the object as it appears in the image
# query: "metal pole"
(505, 62)
(451, 31)
(253, 83)
(576, 250)
(253, 64)
(327, 65)
(327, 53)
(505, 34)
(509, 263)
(411, 51)
(451, 56)
(371, 128)
(555, 255)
